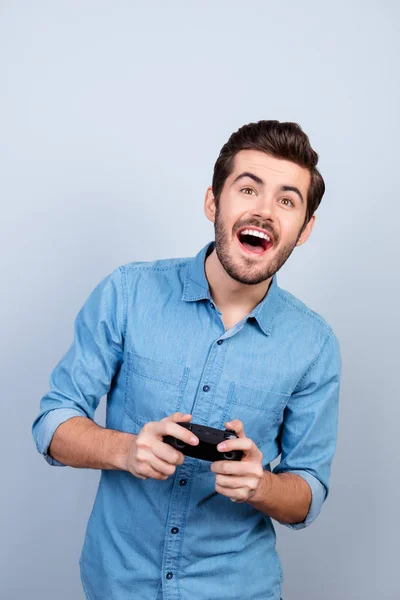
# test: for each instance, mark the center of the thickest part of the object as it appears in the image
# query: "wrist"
(121, 450)
(262, 490)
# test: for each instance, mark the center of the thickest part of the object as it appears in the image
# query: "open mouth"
(254, 241)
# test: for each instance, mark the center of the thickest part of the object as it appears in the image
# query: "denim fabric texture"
(147, 337)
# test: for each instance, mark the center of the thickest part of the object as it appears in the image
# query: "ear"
(209, 205)
(307, 231)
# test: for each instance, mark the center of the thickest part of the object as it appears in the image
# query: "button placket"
(173, 541)
(201, 410)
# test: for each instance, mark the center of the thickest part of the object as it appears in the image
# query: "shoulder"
(153, 267)
(310, 326)
(292, 304)
(167, 273)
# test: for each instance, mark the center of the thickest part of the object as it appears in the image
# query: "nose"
(264, 208)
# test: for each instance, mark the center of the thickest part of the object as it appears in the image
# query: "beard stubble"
(246, 271)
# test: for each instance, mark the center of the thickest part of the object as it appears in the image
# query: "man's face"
(271, 200)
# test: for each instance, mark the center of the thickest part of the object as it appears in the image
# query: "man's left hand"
(238, 480)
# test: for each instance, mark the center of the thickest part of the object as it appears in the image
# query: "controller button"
(183, 482)
(229, 455)
(206, 388)
(174, 530)
(169, 575)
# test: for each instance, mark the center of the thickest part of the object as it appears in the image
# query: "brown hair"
(281, 140)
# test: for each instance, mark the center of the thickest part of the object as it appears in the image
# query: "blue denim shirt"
(148, 338)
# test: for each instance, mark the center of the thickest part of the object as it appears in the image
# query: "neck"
(229, 293)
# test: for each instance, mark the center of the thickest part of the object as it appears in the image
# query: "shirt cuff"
(318, 495)
(48, 425)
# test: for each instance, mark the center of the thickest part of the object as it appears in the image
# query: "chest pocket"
(154, 389)
(261, 411)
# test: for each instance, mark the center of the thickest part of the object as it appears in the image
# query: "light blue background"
(112, 115)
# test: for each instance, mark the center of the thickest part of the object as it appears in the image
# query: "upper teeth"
(257, 233)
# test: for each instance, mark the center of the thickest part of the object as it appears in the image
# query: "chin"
(243, 271)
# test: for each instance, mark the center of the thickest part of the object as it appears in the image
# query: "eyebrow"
(284, 188)
(292, 188)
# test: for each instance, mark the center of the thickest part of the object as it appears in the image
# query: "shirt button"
(206, 388)
(169, 575)
(174, 530)
(212, 305)
(219, 342)
(183, 482)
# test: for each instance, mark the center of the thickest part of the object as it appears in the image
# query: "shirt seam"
(273, 316)
(124, 289)
(308, 312)
(316, 360)
(154, 268)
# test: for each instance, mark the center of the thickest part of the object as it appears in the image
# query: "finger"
(168, 427)
(146, 458)
(146, 471)
(168, 454)
(237, 427)
(244, 486)
(149, 473)
(233, 495)
(238, 468)
(231, 482)
(241, 443)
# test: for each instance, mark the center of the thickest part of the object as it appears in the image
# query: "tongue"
(254, 249)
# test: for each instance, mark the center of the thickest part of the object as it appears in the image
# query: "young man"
(215, 341)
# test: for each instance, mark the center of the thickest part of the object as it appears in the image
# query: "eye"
(289, 200)
(247, 188)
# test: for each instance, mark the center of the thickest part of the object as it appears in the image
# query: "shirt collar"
(196, 284)
(196, 288)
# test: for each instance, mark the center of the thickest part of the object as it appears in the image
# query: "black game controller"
(206, 449)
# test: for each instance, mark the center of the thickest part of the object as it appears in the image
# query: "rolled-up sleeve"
(85, 372)
(309, 431)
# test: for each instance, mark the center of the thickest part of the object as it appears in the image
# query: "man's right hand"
(150, 456)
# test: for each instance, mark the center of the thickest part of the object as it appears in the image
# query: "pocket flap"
(157, 370)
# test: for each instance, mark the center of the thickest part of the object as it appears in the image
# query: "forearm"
(285, 497)
(79, 442)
